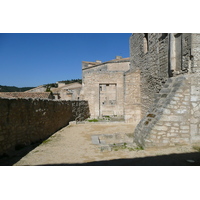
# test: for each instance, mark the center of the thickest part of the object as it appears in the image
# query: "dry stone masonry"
(26, 121)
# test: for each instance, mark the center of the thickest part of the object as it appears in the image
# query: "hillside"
(23, 89)
(13, 89)
(72, 81)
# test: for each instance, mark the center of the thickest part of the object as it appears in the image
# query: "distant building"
(67, 91)
(62, 92)
(40, 88)
(22, 95)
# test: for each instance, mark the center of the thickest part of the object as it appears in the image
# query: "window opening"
(146, 43)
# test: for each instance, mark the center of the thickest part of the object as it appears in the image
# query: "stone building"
(67, 91)
(62, 92)
(157, 88)
(104, 86)
(169, 85)
(40, 88)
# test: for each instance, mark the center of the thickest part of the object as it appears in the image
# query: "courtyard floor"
(72, 145)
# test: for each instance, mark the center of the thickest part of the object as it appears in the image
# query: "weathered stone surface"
(95, 139)
(31, 120)
(169, 66)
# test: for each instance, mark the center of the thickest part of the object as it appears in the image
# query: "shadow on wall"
(186, 159)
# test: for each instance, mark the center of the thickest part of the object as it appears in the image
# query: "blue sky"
(33, 59)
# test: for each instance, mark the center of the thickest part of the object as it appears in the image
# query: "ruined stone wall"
(160, 56)
(91, 91)
(25, 121)
(151, 58)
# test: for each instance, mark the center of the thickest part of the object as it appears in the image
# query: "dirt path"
(73, 145)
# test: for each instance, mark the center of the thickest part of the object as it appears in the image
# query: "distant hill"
(23, 89)
(13, 89)
(71, 81)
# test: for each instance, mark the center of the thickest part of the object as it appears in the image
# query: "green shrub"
(93, 120)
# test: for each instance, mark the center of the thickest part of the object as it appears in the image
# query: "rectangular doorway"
(107, 99)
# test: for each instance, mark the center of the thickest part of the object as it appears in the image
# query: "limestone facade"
(108, 87)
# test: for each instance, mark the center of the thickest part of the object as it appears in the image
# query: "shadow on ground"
(9, 160)
(186, 159)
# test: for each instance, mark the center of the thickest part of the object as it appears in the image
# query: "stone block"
(1, 137)
(95, 139)
(195, 90)
(102, 142)
(185, 135)
(178, 95)
(160, 128)
(175, 124)
(167, 124)
(167, 111)
(176, 98)
(195, 139)
(180, 111)
(170, 134)
(194, 120)
(165, 91)
(161, 133)
(171, 118)
(194, 98)
(186, 103)
(173, 102)
(193, 129)
(105, 148)
(184, 127)
(165, 141)
(72, 123)
(169, 81)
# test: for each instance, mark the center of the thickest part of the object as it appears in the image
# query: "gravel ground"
(72, 145)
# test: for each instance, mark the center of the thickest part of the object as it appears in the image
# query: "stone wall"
(149, 54)
(174, 117)
(171, 117)
(119, 65)
(132, 104)
(195, 53)
(26, 121)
